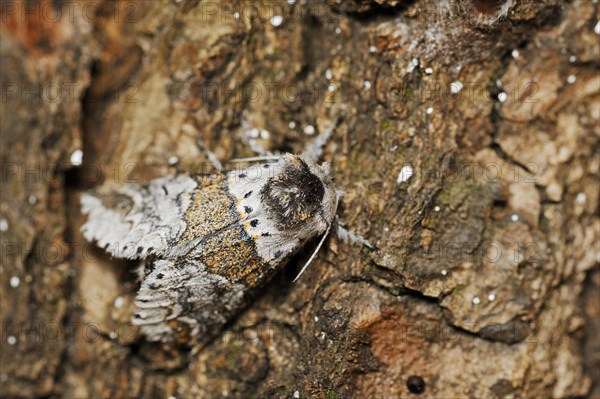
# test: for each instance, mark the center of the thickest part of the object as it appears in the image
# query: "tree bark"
(468, 151)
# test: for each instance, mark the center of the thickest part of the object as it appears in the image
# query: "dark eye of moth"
(248, 209)
(254, 222)
(248, 194)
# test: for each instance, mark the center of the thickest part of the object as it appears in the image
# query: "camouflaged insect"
(210, 243)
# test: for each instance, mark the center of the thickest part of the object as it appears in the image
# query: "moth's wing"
(138, 220)
(190, 296)
(183, 301)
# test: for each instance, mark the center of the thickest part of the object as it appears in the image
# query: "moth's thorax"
(295, 196)
(285, 203)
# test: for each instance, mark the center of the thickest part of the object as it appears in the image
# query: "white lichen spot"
(264, 134)
(119, 302)
(571, 79)
(173, 397)
(502, 97)
(323, 335)
(405, 174)
(437, 208)
(15, 281)
(498, 83)
(236, 15)
(515, 53)
(32, 199)
(444, 272)
(491, 297)
(331, 88)
(173, 160)
(112, 335)
(338, 30)
(296, 394)
(581, 198)
(291, 2)
(456, 87)
(597, 28)
(366, 85)
(372, 49)
(386, 229)
(476, 300)
(572, 59)
(3, 224)
(316, 318)
(310, 130)
(292, 125)
(76, 157)
(276, 20)
(429, 111)
(11, 339)
(254, 133)
(514, 218)
(428, 71)
(328, 74)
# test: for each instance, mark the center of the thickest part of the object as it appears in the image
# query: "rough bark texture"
(486, 282)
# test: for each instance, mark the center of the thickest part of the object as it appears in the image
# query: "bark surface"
(468, 150)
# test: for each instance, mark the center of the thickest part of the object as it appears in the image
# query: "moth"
(208, 244)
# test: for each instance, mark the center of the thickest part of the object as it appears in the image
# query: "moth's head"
(302, 196)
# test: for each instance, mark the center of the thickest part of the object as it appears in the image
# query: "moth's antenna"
(349, 236)
(312, 257)
(257, 159)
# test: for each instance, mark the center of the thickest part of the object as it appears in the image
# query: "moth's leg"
(314, 149)
(212, 158)
(350, 236)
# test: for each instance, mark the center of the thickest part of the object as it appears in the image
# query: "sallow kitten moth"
(208, 244)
